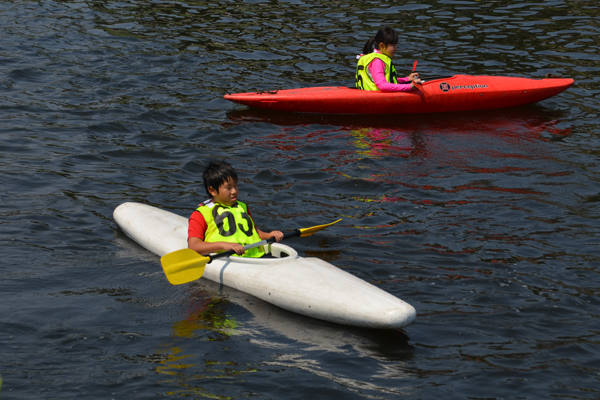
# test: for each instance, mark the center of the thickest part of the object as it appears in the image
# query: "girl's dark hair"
(217, 173)
(385, 35)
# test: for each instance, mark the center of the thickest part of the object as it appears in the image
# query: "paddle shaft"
(295, 232)
(186, 265)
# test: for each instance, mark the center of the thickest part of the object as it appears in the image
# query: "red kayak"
(455, 93)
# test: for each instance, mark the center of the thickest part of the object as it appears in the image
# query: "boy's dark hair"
(385, 35)
(217, 173)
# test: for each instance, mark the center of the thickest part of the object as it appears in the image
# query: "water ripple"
(486, 222)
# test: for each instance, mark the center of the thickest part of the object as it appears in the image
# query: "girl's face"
(226, 194)
(389, 49)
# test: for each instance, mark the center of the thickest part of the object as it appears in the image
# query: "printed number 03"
(228, 215)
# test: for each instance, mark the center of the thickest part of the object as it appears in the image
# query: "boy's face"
(226, 194)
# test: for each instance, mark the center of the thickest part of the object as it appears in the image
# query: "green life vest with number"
(230, 224)
(364, 80)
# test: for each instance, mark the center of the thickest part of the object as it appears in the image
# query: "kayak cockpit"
(278, 252)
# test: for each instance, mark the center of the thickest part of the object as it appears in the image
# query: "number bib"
(230, 224)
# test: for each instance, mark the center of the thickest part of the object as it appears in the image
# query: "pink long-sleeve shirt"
(377, 70)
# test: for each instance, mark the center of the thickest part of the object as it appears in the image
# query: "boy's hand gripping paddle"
(186, 265)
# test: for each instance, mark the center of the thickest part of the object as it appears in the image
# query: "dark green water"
(486, 222)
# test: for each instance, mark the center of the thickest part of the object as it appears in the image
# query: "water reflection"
(378, 142)
(207, 320)
(207, 313)
(533, 121)
(299, 341)
(454, 140)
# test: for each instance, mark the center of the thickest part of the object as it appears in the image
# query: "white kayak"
(304, 285)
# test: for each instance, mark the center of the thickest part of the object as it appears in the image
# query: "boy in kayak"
(375, 70)
(222, 222)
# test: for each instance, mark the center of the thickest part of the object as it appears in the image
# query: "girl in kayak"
(222, 222)
(375, 70)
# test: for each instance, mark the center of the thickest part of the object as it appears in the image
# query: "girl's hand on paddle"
(414, 77)
(414, 80)
(278, 235)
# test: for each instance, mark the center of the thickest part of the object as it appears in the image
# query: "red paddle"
(419, 85)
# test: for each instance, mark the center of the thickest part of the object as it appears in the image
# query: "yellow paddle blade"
(313, 229)
(183, 266)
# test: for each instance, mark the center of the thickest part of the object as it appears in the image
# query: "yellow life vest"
(230, 224)
(364, 80)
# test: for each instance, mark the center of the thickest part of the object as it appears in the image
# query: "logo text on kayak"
(445, 87)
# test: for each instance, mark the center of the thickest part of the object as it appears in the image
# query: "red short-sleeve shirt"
(197, 226)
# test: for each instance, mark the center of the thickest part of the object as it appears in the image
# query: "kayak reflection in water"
(374, 142)
(375, 69)
(382, 142)
(223, 223)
